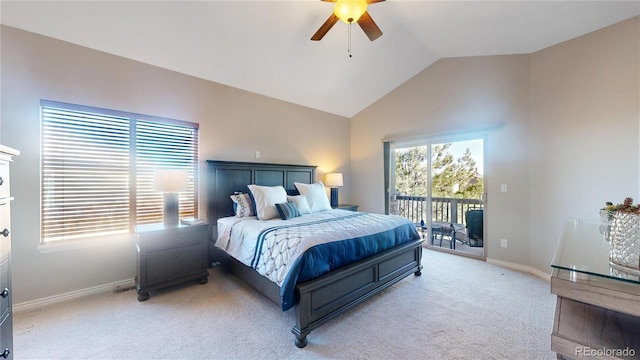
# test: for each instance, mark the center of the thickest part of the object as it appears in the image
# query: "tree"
(411, 171)
(472, 184)
(457, 178)
(451, 177)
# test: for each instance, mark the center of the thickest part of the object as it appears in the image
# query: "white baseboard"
(523, 268)
(39, 303)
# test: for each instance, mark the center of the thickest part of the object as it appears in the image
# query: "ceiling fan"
(350, 11)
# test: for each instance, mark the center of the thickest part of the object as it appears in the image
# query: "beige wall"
(583, 139)
(569, 140)
(233, 125)
(451, 96)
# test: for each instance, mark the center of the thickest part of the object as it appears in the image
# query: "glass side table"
(583, 250)
(598, 307)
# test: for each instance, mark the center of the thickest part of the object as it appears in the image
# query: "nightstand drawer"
(171, 264)
(186, 235)
(173, 237)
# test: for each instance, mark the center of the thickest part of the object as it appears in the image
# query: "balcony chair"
(437, 231)
(474, 227)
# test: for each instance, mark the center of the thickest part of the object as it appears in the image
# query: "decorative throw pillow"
(315, 194)
(242, 205)
(266, 198)
(301, 203)
(287, 210)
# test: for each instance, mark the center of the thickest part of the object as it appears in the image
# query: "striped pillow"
(287, 210)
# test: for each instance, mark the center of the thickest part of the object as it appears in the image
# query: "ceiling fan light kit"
(350, 11)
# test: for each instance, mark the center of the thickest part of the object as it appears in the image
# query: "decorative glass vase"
(625, 241)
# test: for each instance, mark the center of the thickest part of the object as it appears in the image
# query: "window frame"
(134, 188)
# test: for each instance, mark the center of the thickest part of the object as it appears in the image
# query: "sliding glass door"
(439, 185)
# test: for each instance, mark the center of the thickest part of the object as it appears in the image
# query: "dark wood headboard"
(226, 177)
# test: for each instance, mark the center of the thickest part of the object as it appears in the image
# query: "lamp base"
(171, 210)
(334, 197)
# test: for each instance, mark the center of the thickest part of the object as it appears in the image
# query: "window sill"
(85, 244)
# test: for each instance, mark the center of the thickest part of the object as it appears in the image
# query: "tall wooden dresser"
(6, 324)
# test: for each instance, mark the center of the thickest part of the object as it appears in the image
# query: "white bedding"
(284, 243)
(236, 243)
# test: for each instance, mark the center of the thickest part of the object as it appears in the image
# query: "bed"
(315, 300)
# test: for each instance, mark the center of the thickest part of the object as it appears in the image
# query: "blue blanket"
(320, 258)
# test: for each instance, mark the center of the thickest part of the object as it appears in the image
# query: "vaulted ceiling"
(264, 46)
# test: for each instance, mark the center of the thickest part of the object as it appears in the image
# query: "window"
(98, 167)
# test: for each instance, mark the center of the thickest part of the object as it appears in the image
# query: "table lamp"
(171, 182)
(333, 181)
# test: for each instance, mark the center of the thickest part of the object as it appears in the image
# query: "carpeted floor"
(459, 308)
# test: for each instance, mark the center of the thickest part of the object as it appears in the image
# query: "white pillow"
(266, 198)
(243, 206)
(315, 194)
(301, 203)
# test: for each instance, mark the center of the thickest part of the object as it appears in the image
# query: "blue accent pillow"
(287, 210)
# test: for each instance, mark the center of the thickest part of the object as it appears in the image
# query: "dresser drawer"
(4, 288)
(5, 230)
(6, 336)
(4, 183)
(171, 264)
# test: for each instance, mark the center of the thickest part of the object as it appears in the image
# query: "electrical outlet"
(503, 243)
(257, 154)
(503, 187)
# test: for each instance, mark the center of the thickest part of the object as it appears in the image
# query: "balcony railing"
(448, 210)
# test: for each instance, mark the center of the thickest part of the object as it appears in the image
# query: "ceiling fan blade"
(324, 29)
(369, 26)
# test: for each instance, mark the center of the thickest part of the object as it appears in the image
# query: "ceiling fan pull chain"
(349, 49)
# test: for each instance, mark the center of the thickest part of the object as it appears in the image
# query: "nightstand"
(347, 207)
(170, 255)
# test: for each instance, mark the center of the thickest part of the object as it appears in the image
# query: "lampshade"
(170, 180)
(350, 10)
(333, 180)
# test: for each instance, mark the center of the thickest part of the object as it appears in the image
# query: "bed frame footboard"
(324, 298)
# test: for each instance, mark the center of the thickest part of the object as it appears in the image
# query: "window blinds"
(161, 145)
(98, 166)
